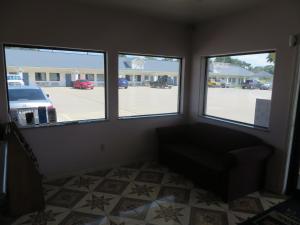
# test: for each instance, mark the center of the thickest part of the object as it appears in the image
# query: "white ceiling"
(180, 10)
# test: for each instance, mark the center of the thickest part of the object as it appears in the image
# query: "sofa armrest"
(174, 134)
(249, 154)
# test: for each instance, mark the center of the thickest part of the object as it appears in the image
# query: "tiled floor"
(140, 194)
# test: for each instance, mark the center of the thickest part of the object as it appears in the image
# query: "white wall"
(67, 149)
(260, 29)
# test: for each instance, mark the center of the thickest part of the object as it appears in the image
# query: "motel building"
(233, 74)
(60, 68)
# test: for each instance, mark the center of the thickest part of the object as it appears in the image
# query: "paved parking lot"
(78, 104)
(235, 103)
(75, 104)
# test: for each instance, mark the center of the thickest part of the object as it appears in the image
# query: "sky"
(254, 59)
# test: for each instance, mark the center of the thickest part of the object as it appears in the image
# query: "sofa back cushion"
(219, 139)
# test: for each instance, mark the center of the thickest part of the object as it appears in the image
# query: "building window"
(90, 77)
(43, 102)
(138, 78)
(156, 97)
(40, 76)
(239, 87)
(100, 77)
(54, 76)
(127, 77)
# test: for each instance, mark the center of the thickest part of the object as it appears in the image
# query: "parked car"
(251, 84)
(266, 86)
(225, 84)
(15, 80)
(83, 84)
(27, 99)
(213, 83)
(162, 82)
(123, 83)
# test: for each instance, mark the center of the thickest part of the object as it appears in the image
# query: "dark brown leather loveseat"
(228, 162)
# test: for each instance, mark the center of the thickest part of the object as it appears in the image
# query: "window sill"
(58, 124)
(152, 116)
(236, 123)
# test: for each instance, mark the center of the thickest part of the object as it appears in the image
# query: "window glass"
(148, 85)
(54, 76)
(90, 77)
(34, 98)
(40, 76)
(239, 87)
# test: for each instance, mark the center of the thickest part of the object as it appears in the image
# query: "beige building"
(61, 68)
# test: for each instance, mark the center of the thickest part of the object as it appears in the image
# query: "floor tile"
(246, 204)
(50, 216)
(150, 177)
(111, 186)
(140, 194)
(200, 216)
(174, 194)
(97, 203)
(139, 190)
(80, 218)
(131, 208)
(122, 174)
(176, 180)
(165, 213)
(66, 198)
(83, 183)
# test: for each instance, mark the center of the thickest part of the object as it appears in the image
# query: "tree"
(228, 59)
(271, 57)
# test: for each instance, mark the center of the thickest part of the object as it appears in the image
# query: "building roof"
(263, 74)
(37, 58)
(227, 69)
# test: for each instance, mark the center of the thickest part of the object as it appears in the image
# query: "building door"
(68, 80)
(26, 79)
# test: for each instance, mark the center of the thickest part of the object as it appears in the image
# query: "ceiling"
(180, 10)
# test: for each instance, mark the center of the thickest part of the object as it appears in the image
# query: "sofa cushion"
(205, 158)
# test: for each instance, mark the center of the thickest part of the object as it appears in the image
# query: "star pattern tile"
(140, 194)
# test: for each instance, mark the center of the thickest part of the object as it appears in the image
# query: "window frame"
(51, 80)
(205, 86)
(180, 88)
(40, 73)
(64, 123)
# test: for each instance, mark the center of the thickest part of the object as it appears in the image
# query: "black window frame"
(64, 123)
(180, 87)
(221, 119)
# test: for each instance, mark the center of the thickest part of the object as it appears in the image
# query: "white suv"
(15, 80)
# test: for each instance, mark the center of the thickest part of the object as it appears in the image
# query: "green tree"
(271, 57)
(228, 59)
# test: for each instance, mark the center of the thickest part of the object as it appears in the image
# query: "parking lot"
(80, 104)
(77, 104)
(235, 103)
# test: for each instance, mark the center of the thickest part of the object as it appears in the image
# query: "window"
(239, 87)
(156, 96)
(61, 101)
(54, 76)
(40, 76)
(100, 77)
(90, 77)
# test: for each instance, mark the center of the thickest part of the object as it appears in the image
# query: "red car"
(83, 84)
